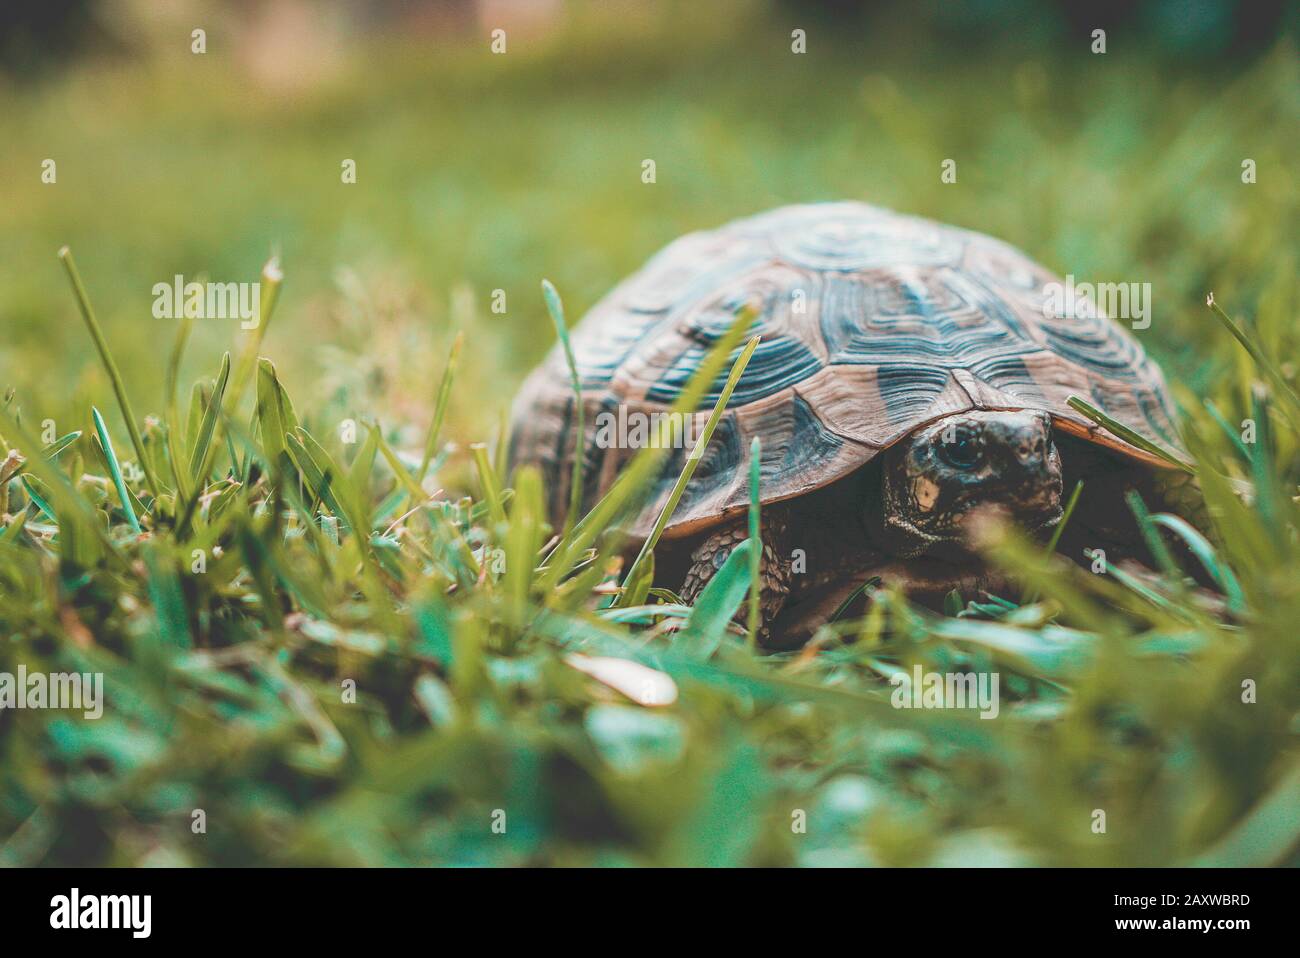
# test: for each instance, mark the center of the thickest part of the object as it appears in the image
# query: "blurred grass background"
(478, 172)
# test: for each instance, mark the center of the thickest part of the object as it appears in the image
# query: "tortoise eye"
(961, 450)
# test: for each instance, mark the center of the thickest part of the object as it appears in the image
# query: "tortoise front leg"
(773, 570)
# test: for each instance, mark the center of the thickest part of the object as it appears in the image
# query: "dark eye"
(961, 450)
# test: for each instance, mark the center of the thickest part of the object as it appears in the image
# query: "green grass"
(409, 564)
(334, 677)
(478, 173)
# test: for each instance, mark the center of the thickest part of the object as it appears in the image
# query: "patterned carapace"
(873, 324)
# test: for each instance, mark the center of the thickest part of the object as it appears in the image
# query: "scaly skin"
(773, 571)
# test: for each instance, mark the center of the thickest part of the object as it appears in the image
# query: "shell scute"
(872, 324)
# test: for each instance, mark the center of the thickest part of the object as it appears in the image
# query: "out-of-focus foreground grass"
(478, 172)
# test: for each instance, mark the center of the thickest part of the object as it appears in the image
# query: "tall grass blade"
(488, 479)
(16, 526)
(106, 357)
(755, 527)
(275, 413)
(271, 279)
(115, 471)
(30, 486)
(80, 522)
(1205, 553)
(364, 463)
(1151, 535)
(319, 479)
(1263, 362)
(175, 453)
(1117, 428)
(630, 488)
(1263, 469)
(203, 449)
(53, 450)
(1232, 434)
(440, 407)
(715, 607)
(697, 453)
(556, 309)
(410, 485)
(523, 539)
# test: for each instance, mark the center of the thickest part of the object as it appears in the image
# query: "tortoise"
(910, 382)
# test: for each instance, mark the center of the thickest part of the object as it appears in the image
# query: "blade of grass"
(232, 432)
(630, 488)
(115, 377)
(271, 278)
(115, 471)
(491, 490)
(523, 540)
(415, 493)
(1228, 431)
(1151, 535)
(1117, 428)
(1055, 539)
(236, 468)
(193, 415)
(200, 455)
(16, 526)
(203, 451)
(364, 463)
(636, 590)
(697, 453)
(167, 597)
(63, 442)
(755, 554)
(13, 465)
(274, 412)
(844, 606)
(440, 406)
(1236, 523)
(1257, 354)
(320, 479)
(501, 454)
(1206, 555)
(175, 453)
(1177, 609)
(38, 500)
(556, 309)
(1268, 498)
(78, 511)
(1046, 575)
(717, 604)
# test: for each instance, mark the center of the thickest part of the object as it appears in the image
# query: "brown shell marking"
(873, 324)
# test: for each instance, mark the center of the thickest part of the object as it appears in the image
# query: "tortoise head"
(945, 478)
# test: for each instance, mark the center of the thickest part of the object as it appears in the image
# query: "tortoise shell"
(873, 324)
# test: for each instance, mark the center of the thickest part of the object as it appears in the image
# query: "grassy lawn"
(367, 648)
